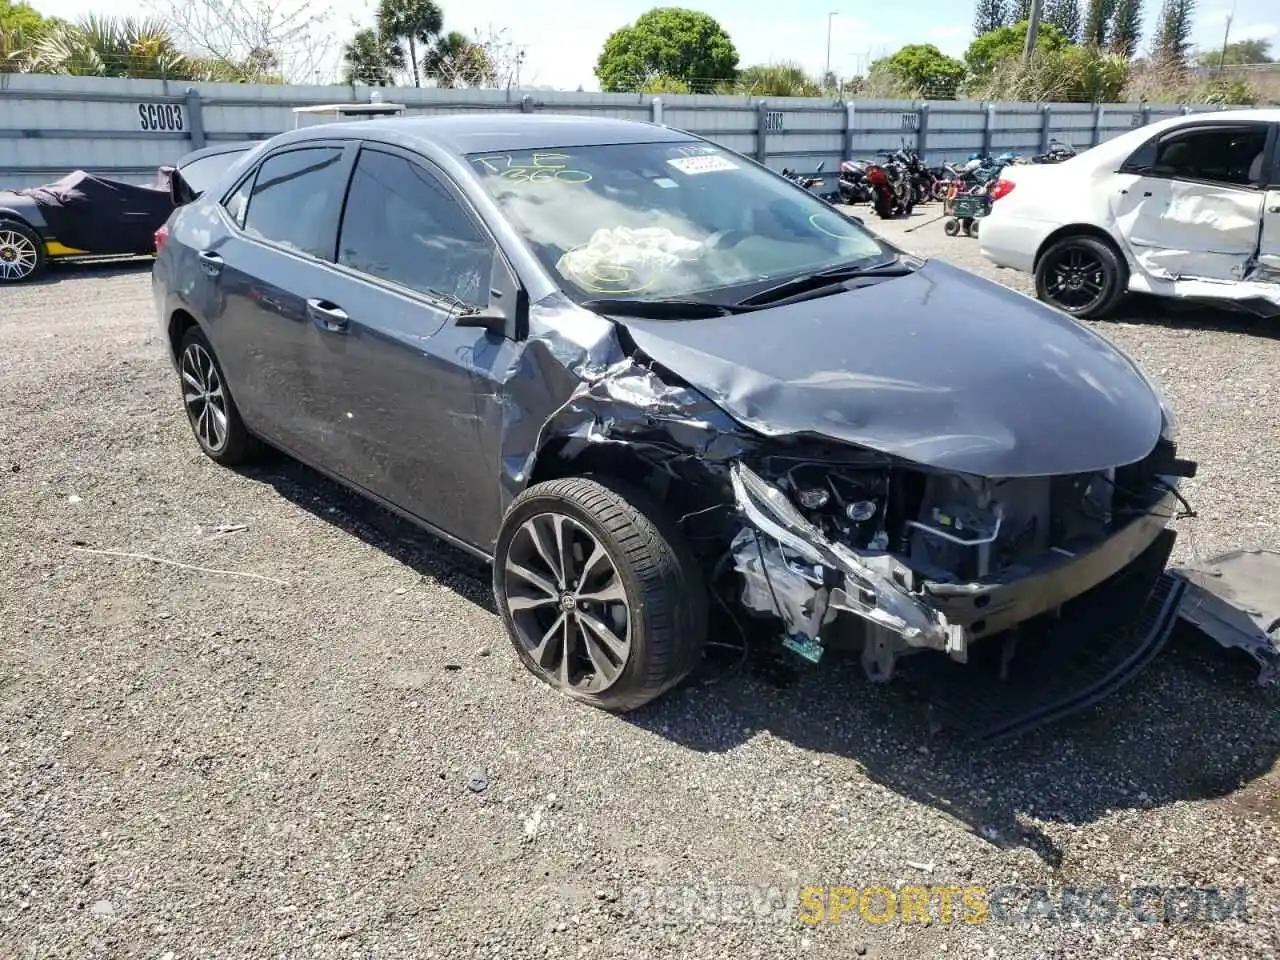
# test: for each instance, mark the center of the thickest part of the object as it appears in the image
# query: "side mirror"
(490, 318)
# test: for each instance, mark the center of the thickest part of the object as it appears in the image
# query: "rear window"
(202, 174)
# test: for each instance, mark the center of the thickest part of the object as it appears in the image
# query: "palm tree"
(111, 47)
(371, 60)
(15, 51)
(416, 21)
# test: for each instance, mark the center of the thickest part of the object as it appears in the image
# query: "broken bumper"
(790, 569)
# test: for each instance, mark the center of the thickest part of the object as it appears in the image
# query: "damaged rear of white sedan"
(638, 372)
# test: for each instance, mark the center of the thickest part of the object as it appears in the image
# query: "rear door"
(285, 216)
(1186, 204)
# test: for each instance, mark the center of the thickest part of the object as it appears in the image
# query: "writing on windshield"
(541, 167)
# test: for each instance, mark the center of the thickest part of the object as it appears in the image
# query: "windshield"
(666, 220)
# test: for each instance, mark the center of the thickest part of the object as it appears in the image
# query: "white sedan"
(1186, 208)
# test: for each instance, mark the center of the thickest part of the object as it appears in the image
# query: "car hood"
(9, 200)
(940, 367)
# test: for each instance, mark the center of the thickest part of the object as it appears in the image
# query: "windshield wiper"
(660, 309)
(823, 280)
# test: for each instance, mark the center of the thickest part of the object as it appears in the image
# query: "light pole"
(827, 73)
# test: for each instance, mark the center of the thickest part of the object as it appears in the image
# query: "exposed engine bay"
(932, 560)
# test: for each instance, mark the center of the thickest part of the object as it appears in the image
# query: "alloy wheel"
(204, 396)
(568, 603)
(1076, 278)
(18, 255)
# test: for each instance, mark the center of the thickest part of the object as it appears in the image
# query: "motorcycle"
(1057, 152)
(892, 192)
(853, 184)
(811, 183)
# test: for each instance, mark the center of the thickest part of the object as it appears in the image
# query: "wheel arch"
(180, 321)
(683, 486)
(1079, 230)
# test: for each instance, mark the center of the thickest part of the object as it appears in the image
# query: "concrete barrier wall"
(50, 125)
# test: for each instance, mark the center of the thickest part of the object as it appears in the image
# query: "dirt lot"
(199, 765)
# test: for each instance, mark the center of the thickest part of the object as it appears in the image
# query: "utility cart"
(963, 211)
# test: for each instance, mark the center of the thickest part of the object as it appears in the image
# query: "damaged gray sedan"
(638, 371)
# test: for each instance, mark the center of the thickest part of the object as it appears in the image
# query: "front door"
(1185, 202)
(411, 401)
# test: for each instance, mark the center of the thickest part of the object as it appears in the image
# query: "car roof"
(469, 133)
(217, 150)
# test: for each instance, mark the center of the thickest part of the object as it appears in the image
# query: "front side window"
(401, 225)
(295, 199)
(1218, 154)
(666, 220)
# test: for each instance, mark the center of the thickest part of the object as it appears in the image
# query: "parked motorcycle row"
(899, 179)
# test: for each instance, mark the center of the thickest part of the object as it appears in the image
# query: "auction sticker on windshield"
(708, 164)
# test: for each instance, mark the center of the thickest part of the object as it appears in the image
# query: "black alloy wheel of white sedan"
(1082, 276)
(600, 594)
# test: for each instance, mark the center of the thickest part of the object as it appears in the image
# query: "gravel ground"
(351, 763)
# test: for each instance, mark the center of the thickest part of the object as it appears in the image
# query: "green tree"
(414, 21)
(1173, 32)
(1242, 51)
(20, 18)
(1126, 28)
(778, 80)
(1098, 15)
(924, 67)
(457, 61)
(990, 48)
(1065, 15)
(667, 42)
(989, 15)
(371, 60)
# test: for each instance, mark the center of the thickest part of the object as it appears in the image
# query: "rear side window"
(202, 174)
(1220, 154)
(295, 199)
(403, 226)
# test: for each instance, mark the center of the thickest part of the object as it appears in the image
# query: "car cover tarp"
(102, 216)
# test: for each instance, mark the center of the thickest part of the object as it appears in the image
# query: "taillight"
(161, 236)
(1002, 189)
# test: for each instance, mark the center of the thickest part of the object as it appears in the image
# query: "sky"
(562, 38)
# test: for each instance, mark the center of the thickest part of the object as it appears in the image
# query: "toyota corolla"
(637, 371)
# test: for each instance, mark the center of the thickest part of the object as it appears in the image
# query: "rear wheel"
(211, 411)
(951, 227)
(973, 228)
(1082, 276)
(22, 253)
(599, 592)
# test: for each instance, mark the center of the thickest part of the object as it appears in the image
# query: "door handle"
(210, 262)
(328, 316)
(1146, 193)
(1275, 209)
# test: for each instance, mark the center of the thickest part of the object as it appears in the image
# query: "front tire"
(600, 594)
(1082, 276)
(22, 252)
(211, 411)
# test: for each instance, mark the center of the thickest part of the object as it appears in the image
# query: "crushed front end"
(926, 560)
